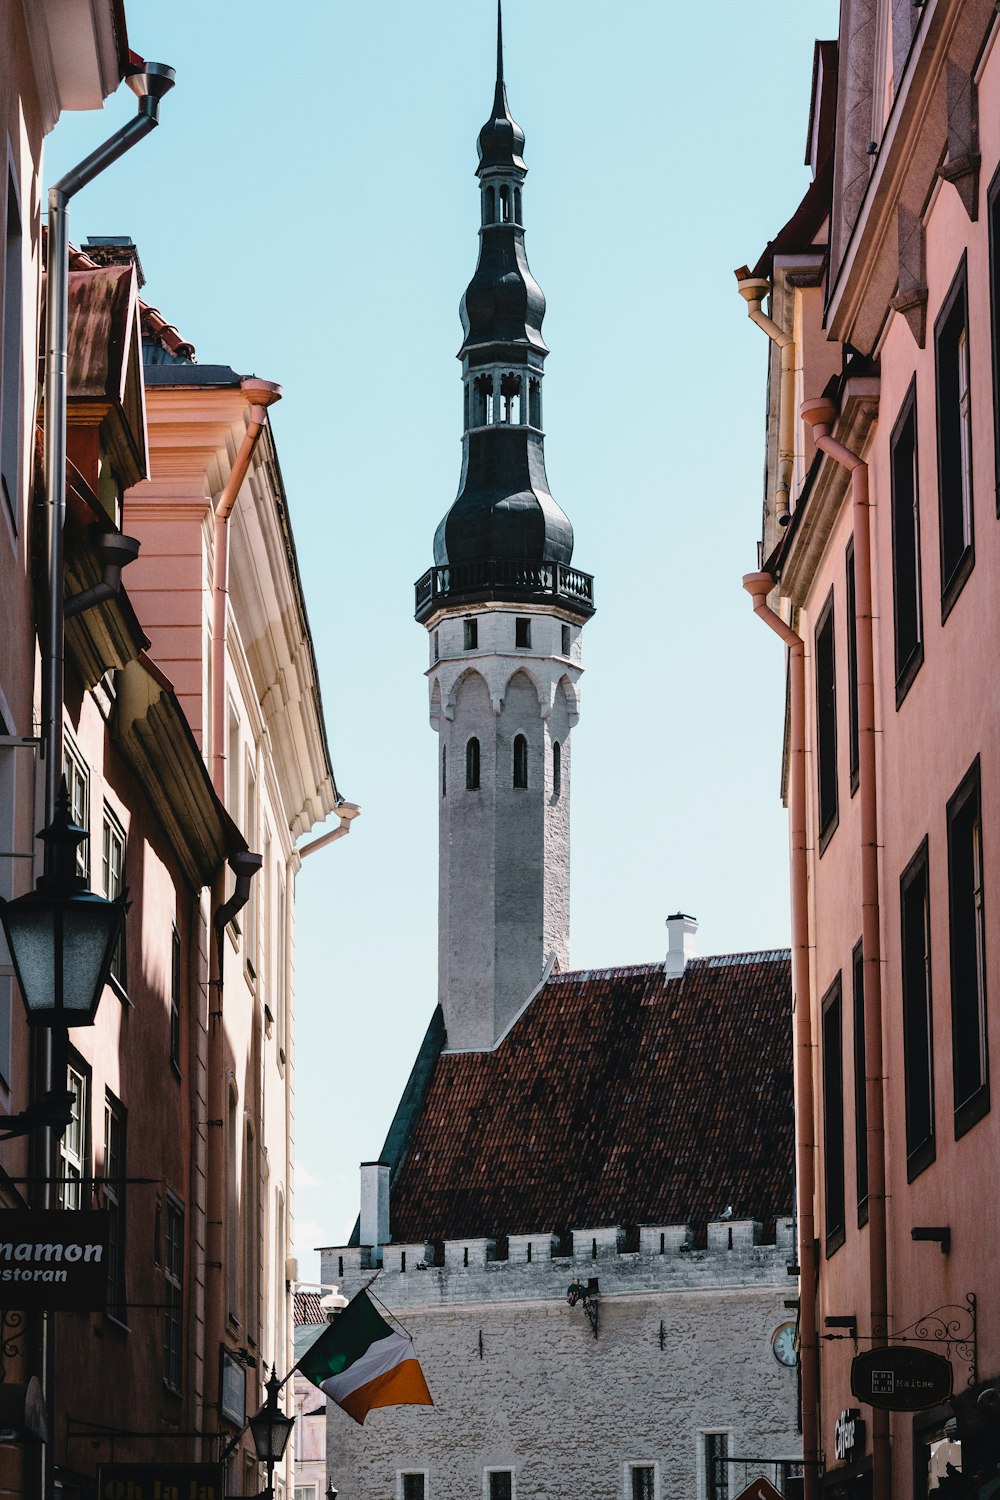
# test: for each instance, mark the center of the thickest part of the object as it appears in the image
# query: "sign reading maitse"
(55, 1260)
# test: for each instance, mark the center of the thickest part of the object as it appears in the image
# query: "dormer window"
(522, 633)
(471, 637)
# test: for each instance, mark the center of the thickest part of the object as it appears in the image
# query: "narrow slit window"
(489, 206)
(520, 761)
(833, 1117)
(918, 1066)
(483, 389)
(853, 740)
(522, 634)
(556, 769)
(566, 640)
(954, 433)
(517, 206)
(967, 942)
(505, 204)
(906, 586)
(826, 723)
(860, 1085)
(472, 765)
(444, 770)
(470, 634)
(535, 403)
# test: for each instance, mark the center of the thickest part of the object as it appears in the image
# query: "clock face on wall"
(783, 1345)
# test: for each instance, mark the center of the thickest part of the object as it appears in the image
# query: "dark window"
(860, 1085)
(833, 1116)
(175, 998)
(517, 206)
(967, 937)
(510, 396)
(717, 1466)
(556, 769)
(501, 1485)
(522, 632)
(471, 634)
(114, 1203)
(520, 761)
(826, 724)
(483, 387)
(917, 1040)
(10, 358)
(489, 206)
(907, 608)
(994, 217)
(472, 765)
(566, 640)
(173, 1289)
(113, 876)
(535, 403)
(505, 204)
(437, 645)
(852, 670)
(413, 1487)
(444, 770)
(954, 431)
(643, 1487)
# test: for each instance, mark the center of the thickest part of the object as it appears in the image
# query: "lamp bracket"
(53, 1111)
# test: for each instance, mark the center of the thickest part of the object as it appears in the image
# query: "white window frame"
(307, 1492)
(78, 777)
(401, 1474)
(500, 1469)
(629, 1467)
(73, 1142)
(113, 882)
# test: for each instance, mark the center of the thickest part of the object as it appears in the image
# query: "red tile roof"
(154, 325)
(619, 1097)
(307, 1309)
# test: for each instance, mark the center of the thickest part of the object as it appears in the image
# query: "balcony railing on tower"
(505, 578)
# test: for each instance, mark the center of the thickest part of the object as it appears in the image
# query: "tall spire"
(499, 43)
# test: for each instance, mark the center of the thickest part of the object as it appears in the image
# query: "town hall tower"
(504, 608)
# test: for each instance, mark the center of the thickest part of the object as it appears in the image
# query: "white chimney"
(375, 1207)
(680, 944)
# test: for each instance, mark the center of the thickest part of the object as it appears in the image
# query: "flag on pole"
(360, 1362)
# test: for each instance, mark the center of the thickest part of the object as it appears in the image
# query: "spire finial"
(499, 41)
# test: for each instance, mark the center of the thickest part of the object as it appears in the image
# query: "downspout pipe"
(820, 414)
(244, 866)
(753, 290)
(346, 812)
(116, 551)
(758, 586)
(261, 394)
(150, 84)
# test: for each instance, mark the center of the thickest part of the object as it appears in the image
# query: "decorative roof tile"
(619, 1097)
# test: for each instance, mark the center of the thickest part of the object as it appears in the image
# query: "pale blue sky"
(308, 212)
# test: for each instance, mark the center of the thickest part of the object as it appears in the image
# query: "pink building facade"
(880, 568)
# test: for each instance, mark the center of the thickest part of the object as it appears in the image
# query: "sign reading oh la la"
(161, 1482)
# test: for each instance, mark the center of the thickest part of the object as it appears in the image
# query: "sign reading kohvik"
(54, 1260)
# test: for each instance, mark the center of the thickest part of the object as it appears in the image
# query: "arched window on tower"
(520, 761)
(505, 204)
(517, 205)
(472, 765)
(484, 400)
(444, 770)
(489, 206)
(510, 395)
(556, 769)
(535, 403)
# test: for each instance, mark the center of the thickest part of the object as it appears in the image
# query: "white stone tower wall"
(504, 850)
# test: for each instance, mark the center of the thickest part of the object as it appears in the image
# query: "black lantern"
(62, 937)
(271, 1429)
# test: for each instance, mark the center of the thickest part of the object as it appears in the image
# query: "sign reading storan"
(901, 1377)
(161, 1482)
(54, 1259)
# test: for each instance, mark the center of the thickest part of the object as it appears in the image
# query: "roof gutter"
(262, 394)
(150, 84)
(820, 414)
(758, 586)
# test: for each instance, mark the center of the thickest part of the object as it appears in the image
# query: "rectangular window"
(852, 671)
(954, 433)
(566, 640)
(500, 1484)
(833, 1116)
(826, 724)
(917, 1039)
(251, 932)
(114, 1203)
(113, 877)
(471, 634)
(73, 1146)
(716, 1466)
(175, 998)
(412, 1486)
(522, 632)
(78, 784)
(8, 847)
(307, 1492)
(10, 358)
(967, 941)
(642, 1482)
(907, 606)
(173, 1292)
(860, 1085)
(994, 218)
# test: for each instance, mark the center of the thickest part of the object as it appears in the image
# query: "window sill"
(116, 1322)
(971, 1111)
(121, 992)
(834, 1240)
(826, 834)
(855, 779)
(908, 672)
(956, 583)
(919, 1160)
(863, 1212)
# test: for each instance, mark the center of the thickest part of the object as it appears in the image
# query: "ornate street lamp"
(62, 937)
(270, 1430)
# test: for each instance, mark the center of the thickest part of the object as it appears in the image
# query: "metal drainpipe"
(262, 394)
(759, 585)
(820, 414)
(753, 290)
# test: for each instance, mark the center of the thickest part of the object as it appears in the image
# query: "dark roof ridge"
(711, 960)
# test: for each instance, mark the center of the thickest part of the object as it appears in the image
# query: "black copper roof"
(501, 140)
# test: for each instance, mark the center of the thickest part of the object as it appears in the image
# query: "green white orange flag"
(360, 1362)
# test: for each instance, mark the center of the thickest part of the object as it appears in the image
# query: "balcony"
(508, 581)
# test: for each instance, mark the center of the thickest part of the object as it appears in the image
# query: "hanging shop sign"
(849, 1436)
(902, 1377)
(54, 1260)
(161, 1482)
